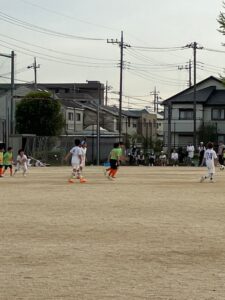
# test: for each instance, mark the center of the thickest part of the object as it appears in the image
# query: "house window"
(186, 114)
(218, 114)
(67, 90)
(78, 117)
(134, 125)
(70, 116)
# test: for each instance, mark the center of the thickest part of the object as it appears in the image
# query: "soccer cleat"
(212, 180)
(83, 180)
(71, 180)
(202, 178)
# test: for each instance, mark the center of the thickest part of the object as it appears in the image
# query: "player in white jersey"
(21, 162)
(209, 159)
(83, 146)
(76, 162)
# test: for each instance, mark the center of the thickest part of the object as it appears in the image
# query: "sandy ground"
(153, 233)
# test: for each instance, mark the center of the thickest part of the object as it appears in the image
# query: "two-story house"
(140, 122)
(179, 112)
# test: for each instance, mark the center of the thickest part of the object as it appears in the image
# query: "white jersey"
(76, 152)
(22, 160)
(190, 150)
(210, 156)
(174, 156)
(84, 151)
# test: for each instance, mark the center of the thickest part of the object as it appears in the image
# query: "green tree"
(37, 113)
(207, 132)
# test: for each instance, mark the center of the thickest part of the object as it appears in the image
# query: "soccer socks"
(114, 173)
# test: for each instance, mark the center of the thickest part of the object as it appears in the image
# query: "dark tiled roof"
(70, 103)
(134, 113)
(201, 96)
(217, 98)
(190, 89)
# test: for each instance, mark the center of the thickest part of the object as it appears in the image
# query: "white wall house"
(210, 109)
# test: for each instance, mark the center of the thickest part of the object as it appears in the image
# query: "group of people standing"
(6, 161)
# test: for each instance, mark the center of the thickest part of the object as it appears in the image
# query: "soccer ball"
(221, 167)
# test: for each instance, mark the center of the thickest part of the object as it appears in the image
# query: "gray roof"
(217, 98)
(70, 103)
(135, 113)
(189, 91)
(201, 96)
(209, 96)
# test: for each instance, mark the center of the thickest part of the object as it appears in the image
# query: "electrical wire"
(17, 22)
(58, 59)
(67, 16)
(56, 51)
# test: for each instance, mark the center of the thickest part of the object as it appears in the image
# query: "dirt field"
(153, 233)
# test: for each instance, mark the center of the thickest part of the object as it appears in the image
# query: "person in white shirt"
(83, 146)
(162, 159)
(174, 158)
(21, 162)
(76, 162)
(209, 159)
(190, 153)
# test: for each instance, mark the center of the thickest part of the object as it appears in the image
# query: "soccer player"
(83, 146)
(21, 162)
(76, 162)
(120, 150)
(209, 158)
(1, 160)
(114, 158)
(8, 160)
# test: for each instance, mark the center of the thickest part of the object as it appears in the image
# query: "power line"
(158, 49)
(17, 22)
(56, 51)
(68, 16)
(58, 59)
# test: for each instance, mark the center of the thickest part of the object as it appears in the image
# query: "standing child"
(120, 151)
(8, 160)
(174, 158)
(1, 160)
(114, 158)
(209, 158)
(21, 162)
(83, 147)
(76, 162)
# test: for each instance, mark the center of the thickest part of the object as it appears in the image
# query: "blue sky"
(146, 23)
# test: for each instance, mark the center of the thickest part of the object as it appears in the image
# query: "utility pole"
(169, 128)
(10, 114)
(35, 67)
(194, 46)
(12, 92)
(155, 93)
(122, 46)
(189, 68)
(107, 88)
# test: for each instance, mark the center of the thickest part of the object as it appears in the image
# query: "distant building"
(210, 109)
